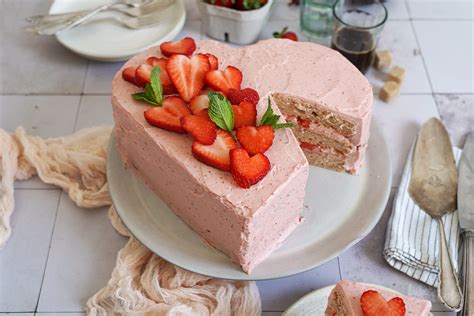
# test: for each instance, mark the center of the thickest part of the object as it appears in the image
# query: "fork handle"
(449, 291)
(468, 274)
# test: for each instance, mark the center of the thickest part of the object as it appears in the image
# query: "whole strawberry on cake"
(200, 124)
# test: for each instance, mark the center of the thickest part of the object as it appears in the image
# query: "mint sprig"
(220, 111)
(271, 119)
(153, 93)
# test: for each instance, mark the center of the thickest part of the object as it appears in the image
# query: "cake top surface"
(287, 159)
(352, 292)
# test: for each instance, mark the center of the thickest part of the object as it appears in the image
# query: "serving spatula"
(433, 187)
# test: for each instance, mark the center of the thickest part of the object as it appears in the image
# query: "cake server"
(466, 221)
(433, 187)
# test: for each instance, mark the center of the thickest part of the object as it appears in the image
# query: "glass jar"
(316, 20)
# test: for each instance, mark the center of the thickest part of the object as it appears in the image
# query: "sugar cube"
(389, 91)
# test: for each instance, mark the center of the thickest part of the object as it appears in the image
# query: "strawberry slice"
(128, 74)
(202, 129)
(217, 154)
(303, 122)
(213, 61)
(307, 146)
(185, 46)
(245, 114)
(187, 74)
(255, 139)
(143, 74)
(373, 304)
(168, 115)
(248, 94)
(199, 103)
(248, 170)
(222, 81)
(168, 87)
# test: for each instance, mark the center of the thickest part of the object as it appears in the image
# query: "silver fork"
(144, 14)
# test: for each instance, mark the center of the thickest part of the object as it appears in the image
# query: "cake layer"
(246, 224)
(345, 300)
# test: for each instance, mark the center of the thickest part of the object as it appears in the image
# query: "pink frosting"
(352, 291)
(246, 224)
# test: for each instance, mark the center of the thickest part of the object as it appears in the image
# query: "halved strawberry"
(303, 122)
(128, 74)
(307, 146)
(199, 103)
(168, 87)
(373, 304)
(187, 74)
(142, 75)
(248, 170)
(255, 139)
(217, 154)
(185, 46)
(213, 61)
(248, 94)
(222, 81)
(202, 129)
(245, 114)
(168, 116)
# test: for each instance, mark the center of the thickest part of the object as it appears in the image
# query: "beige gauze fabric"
(141, 283)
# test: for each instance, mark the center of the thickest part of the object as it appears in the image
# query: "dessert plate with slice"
(103, 39)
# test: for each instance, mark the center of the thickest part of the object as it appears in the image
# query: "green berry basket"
(233, 26)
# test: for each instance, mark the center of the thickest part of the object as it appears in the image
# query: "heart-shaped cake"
(243, 201)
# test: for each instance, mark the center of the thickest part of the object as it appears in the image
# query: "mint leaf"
(271, 119)
(153, 91)
(141, 96)
(220, 111)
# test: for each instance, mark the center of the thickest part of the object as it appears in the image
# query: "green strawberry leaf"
(220, 111)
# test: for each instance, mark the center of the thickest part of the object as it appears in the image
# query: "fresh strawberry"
(222, 3)
(285, 34)
(142, 75)
(245, 5)
(248, 170)
(213, 61)
(166, 83)
(245, 114)
(187, 74)
(202, 129)
(185, 46)
(217, 154)
(128, 74)
(373, 304)
(222, 81)
(248, 94)
(307, 146)
(199, 103)
(168, 115)
(255, 139)
(303, 122)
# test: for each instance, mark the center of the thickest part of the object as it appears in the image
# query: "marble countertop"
(59, 255)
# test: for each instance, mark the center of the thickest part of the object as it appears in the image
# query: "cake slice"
(356, 299)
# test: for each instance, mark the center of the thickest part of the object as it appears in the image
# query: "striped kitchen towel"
(412, 241)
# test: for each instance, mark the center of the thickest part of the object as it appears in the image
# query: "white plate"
(106, 40)
(340, 209)
(315, 302)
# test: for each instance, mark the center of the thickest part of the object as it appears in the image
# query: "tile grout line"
(77, 113)
(49, 250)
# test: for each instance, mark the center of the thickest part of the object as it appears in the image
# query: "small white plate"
(106, 40)
(315, 303)
(340, 209)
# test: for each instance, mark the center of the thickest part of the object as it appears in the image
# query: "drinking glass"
(316, 18)
(357, 28)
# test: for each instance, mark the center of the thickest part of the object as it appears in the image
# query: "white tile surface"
(99, 77)
(397, 10)
(192, 11)
(59, 314)
(282, 11)
(399, 39)
(35, 64)
(95, 110)
(447, 49)
(278, 294)
(16, 314)
(457, 114)
(400, 121)
(441, 9)
(23, 260)
(82, 256)
(192, 28)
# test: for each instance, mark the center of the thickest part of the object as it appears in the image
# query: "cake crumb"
(389, 91)
(383, 59)
(396, 74)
